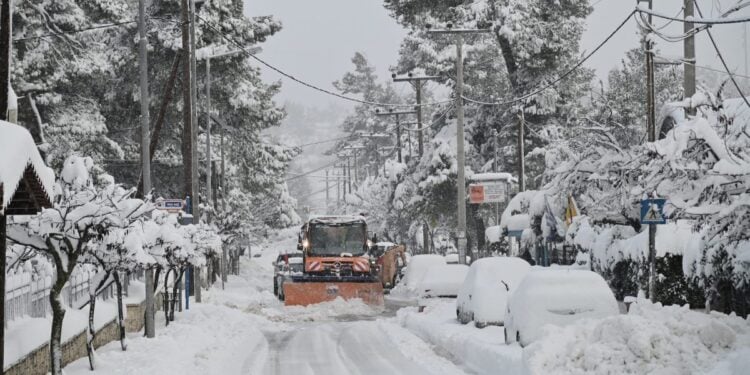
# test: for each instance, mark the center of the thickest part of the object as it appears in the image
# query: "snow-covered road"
(363, 347)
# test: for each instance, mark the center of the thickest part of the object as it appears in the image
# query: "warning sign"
(652, 211)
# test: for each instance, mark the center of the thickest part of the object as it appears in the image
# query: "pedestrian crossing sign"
(652, 211)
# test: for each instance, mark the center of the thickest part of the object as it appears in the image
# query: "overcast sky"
(319, 38)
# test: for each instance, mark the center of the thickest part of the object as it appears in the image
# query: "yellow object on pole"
(571, 211)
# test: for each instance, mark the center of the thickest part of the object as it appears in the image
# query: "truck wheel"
(275, 288)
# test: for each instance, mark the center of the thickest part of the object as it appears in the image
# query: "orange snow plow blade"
(309, 293)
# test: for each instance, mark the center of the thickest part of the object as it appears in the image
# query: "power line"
(310, 85)
(723, 62)
(433, 123)
(701, 21)
(311, 171)
(562, 76)
(326, 141)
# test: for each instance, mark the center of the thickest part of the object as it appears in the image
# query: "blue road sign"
(652, 211)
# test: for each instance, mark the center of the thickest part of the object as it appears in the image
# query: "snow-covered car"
(442, 280)
(285, 266)
(418, 266)
(558, 297)
(483, 297)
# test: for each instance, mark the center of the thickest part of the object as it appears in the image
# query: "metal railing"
(28, 295)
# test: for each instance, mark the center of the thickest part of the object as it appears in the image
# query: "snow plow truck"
(337, 263)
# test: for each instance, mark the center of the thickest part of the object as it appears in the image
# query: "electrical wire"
(702, 21)
(326, 141)
(433, 123)
(721, 57)
(311, 171)
(562, 76)
(310, 85)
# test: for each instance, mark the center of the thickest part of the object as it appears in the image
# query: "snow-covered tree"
(80, 214)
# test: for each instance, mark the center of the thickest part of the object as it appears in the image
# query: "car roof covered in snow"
(337, 220)
(18, 152)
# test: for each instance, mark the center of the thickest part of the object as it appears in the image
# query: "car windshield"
(337, 239)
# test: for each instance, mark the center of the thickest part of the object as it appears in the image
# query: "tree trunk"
(58, 314)
(120, 312)
(175, 288)
(167, 304)
(92, 331)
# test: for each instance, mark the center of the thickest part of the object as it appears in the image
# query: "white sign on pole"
(488, 192)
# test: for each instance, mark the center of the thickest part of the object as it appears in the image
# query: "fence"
(28, 295)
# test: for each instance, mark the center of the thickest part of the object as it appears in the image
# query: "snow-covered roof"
(17, 153)
(493, 176)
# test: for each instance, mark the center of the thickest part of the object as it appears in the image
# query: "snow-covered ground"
(244, 329)
(649, 339)
(481, 351)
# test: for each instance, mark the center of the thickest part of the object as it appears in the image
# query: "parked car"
(556, 296)
(284, 266)
(443, 280)
(418, 266)
(483, 297)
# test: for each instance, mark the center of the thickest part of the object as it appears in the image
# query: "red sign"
(476, 194)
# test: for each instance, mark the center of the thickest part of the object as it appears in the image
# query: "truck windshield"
(337, 239)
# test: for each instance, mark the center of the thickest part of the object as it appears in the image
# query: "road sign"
(652, 211)
(488, 192)
(171, 205)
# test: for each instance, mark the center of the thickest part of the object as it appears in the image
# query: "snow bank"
(482, 351)
(650, 339)
(337, 309)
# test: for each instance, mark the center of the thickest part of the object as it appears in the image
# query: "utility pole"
(651, 133)
(418, 83)
(187, 129)
(149, 325)
(521, 152)
(460, 153)
(744, 44)
(209, 165)
(194, 119)
(6, 40)
(208, 138)
(349, 173)
(398, 115)
(327, 201)
(338, 187)
(495, 166)
(689, 49)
